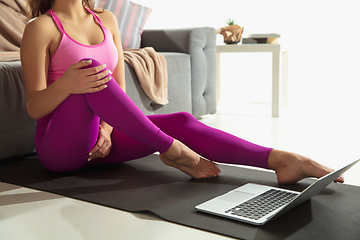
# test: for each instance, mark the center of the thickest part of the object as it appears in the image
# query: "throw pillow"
(131, 19)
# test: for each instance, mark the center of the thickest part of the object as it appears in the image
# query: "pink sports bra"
(70, 51)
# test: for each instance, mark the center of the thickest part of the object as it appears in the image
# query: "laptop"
(258, 204)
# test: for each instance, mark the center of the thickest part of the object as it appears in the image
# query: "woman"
(84, 116)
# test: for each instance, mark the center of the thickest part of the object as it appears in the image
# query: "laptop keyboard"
(263, 204)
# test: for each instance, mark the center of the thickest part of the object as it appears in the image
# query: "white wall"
(321, 36)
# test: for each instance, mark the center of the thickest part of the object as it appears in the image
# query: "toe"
(340, 179)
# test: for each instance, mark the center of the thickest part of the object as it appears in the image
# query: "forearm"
(46, 101)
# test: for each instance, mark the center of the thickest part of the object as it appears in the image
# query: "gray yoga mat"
(147, 185)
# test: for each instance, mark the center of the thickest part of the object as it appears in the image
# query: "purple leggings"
(64, 138)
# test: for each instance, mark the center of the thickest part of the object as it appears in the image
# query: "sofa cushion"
(179, 86)
(131, 19)
(17, 129)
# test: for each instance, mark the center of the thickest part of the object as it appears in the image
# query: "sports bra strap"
(57, 20)
(96, 17)
(61, 27)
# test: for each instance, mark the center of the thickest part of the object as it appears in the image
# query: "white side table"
(275, 50)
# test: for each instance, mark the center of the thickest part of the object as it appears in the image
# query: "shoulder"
(106, 15)
(39, 35)
(41, 23)
(109, 20)
(41, 27)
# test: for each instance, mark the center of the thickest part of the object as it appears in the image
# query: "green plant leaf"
(230, 22)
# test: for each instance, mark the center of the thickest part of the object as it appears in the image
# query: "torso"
(88, 32)
(69, 42)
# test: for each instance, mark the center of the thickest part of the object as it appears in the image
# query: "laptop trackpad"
(236, 197)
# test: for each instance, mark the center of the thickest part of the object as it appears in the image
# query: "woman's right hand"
(78, 79)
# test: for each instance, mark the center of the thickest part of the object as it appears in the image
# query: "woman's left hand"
(103, 146)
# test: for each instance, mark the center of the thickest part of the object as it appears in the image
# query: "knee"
(184, 118)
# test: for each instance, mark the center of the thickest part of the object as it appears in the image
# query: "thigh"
(65, 137)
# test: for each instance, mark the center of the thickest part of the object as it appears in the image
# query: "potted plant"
(232, 32)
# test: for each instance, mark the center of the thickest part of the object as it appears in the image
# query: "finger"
(90, 70)
(101, 149)
(104, 147)
(98, 85)
(96, 147)
(94, 156)
(95, 81)
(82, 64)
(96, 89)
(100, 75)
(107, 152)
(101, 152)
(94, 152)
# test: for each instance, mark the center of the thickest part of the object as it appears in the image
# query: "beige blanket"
(150, 68)
(12, 24)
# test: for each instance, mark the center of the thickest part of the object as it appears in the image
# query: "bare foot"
(183, 158)
(292, 167)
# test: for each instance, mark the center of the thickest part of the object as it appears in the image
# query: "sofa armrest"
(200, 44)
